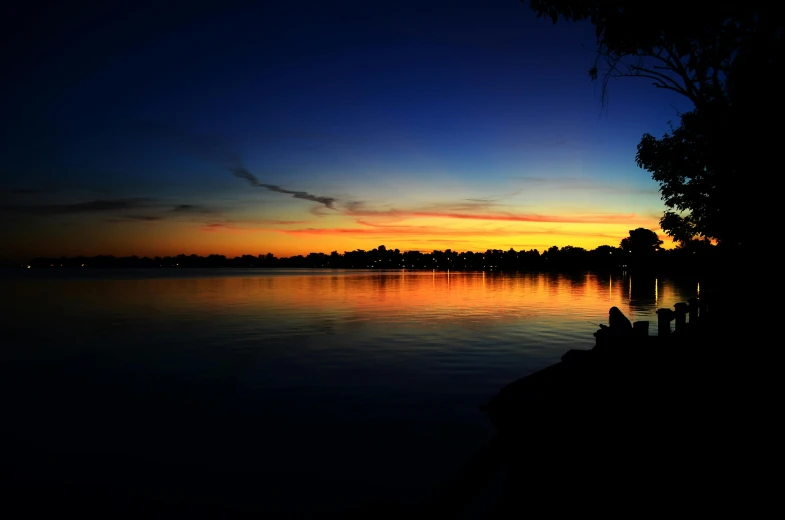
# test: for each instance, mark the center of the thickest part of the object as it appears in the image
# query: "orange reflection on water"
(381, 296)
(656, 291)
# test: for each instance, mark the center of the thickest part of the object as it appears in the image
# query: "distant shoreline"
(605, 258)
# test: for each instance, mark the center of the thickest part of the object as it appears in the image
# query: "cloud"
(231, 226)
(403, 230)
(93, 206)
(577, 183)
(226, 227)
(119, 210)
(483, 201)
(145, 218)
(242, 173)
(191, 208)
(435, 231)
(217, 227)
(358, 209)
(218, 151)
(569, 219)
(281, 222)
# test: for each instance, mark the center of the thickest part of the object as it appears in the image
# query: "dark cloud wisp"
(243, 173)
(143, 218)
(93, 206)
(139, 209)
(191, 208)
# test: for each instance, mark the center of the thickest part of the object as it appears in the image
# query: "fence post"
(681, 316)
(640, 328)
(703, 304)
(693, 303)
(664, 318)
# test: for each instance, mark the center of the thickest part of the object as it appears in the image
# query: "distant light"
(82, 265)
(28, 267)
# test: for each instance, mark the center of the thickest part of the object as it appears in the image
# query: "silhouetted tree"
(688, 256)
(641, 241)
(688, 171)
(640, 248)
(606, 257)
(720, 58)
(689, 51)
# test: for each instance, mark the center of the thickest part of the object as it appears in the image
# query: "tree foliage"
(722, 58)
(689, 51)
(641, 241)
(688, 165)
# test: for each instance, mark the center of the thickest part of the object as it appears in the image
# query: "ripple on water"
(349, 383)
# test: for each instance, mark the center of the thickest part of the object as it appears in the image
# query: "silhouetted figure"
(618, 324)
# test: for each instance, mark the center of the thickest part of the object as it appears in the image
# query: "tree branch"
(664, 76)
(683, 85)
(661, 80)
(678, 67)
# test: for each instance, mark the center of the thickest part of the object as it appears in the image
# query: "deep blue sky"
(423, 121)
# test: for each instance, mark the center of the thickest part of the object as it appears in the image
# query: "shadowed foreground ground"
(638, 428)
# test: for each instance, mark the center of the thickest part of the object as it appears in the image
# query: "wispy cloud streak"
(242, 173)
(581, 184)
(432, 231)
(93, 206)
(569, 219)
(191, 208)
(359, 211)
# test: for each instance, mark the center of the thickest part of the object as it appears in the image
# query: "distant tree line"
(639, 251)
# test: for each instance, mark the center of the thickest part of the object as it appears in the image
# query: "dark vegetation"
(675, 422)
(721, 59)
(641, 250)
(568, 257)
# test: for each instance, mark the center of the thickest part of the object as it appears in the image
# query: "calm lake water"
(295, 391)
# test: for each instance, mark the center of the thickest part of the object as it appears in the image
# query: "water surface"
(281, 390)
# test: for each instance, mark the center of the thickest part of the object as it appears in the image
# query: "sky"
(295, 127)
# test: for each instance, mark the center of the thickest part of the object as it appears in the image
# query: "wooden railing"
(694, 308)
(622, 363)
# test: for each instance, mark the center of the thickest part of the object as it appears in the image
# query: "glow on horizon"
(256, 221)
(259, 221)
(457, 150)
(168, 239)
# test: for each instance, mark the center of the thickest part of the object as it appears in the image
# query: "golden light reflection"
(656, 291)
(353, 297)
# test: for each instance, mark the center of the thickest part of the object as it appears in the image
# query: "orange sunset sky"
(231, 133)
